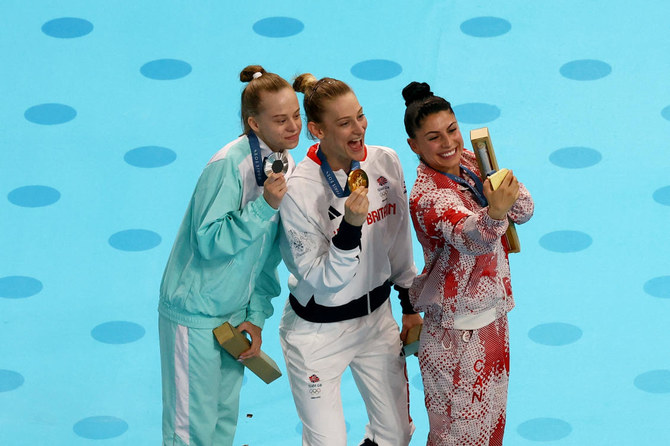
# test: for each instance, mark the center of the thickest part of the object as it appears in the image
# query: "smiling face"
(341, 131)
(278, 122)
(439, 142)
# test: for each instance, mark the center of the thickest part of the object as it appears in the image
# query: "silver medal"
(276, 162)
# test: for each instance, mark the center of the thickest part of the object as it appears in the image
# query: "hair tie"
(256, 75)
(318, 83)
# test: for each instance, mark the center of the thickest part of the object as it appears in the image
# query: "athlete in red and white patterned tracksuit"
(464, 289)
(465, 292)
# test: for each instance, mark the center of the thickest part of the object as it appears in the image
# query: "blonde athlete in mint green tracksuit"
(223, 267)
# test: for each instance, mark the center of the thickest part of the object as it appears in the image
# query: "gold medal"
(357, 178)
(276, 162)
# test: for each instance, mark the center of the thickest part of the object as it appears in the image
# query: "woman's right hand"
(356, 207)
(503, 198)
(274, 189)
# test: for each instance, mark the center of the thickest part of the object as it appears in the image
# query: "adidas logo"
(333, 213)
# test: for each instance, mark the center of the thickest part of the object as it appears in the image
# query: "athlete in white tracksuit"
(338, 314)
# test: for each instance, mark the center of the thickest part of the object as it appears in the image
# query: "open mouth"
(356, 144)
(448, 154)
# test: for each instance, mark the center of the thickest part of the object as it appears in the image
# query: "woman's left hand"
(409, 321)
(256, 340)
(503, 198)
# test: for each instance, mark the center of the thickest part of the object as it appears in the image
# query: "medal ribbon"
(478, 190)
(256, 158)
(330, 176)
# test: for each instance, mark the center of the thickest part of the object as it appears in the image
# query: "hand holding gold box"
(411, 344)
(486, 159)
(235, 343)
(497, 178)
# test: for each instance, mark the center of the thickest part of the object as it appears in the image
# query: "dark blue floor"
(110, 110)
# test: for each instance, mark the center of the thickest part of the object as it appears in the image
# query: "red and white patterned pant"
(465, 375)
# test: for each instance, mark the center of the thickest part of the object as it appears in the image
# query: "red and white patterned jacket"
(465, 283)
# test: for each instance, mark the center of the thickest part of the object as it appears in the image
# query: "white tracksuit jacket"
(311, 215)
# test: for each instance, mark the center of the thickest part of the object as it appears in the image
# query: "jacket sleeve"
(267, 286)
(523, 208)
(309, 253)
(223, 229)
(401, 254)
(443, 215)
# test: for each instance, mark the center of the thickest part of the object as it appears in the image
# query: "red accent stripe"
(311, 154)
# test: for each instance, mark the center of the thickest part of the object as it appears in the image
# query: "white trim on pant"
(181, 384)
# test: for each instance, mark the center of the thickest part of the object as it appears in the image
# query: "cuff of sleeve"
(348, 236)
(263, 210)
(499, 226)
(257, 319)
(403, 294)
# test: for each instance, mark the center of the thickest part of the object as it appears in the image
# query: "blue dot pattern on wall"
(585, 70)
(575, 157)
(100, 427)
(662, 196)
(18, 287)
(10, 380)
(658, 287)
(555, 334)
(150, 156)
(34, 196)
(278, 27)
(565, 241)
(166, 69)
(135, 240)
(486, 27)
(666, 113)
(476, 113)
(118, 332)
(67, 27)
(50, 114)
(376, 69)
(135, 97)
(544, 429)
(654, 381)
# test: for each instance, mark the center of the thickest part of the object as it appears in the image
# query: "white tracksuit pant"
(317, 354)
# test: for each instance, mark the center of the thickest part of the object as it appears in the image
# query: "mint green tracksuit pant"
(201, 407)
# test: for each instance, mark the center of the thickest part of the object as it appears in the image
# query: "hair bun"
(304, 83)
(247, 74)
(416, 91)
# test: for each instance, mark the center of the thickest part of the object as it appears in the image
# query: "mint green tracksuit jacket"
(223, 266)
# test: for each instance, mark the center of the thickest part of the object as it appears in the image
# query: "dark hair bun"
(247, 74)
(416, 91)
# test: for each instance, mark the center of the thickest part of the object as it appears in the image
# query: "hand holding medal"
(356, 206)
(274, 188)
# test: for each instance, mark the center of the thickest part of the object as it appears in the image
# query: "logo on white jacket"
(314, 387)
(333, 213)
(383, 189)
